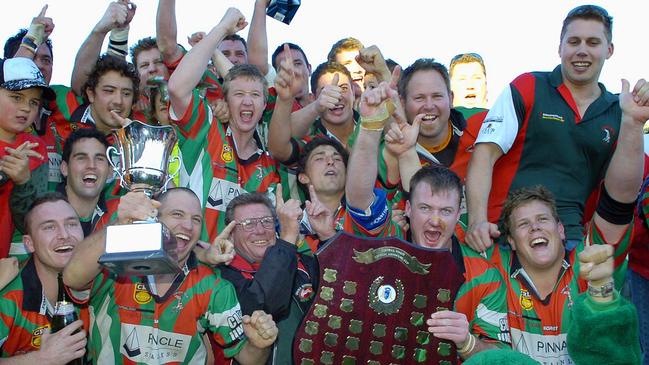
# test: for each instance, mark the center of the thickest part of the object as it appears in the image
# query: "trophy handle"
(109, 153)
(172, 175)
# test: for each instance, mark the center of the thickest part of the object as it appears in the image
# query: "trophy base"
(141, 248)
(140, 263)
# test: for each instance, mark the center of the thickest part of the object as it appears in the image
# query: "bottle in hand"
(64, 314)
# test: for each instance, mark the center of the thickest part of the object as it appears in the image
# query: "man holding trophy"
(163, 317)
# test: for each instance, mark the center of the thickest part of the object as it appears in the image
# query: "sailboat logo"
(132, 345)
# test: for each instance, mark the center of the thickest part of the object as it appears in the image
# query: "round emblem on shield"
(386, 294)
(386, 298)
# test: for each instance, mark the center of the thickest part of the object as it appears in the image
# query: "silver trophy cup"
(144, 247)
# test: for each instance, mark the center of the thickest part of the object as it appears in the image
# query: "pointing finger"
(118, 118)
(312, 194)
(225, 233)
(396, 76)
(279, 196)
(42, 13)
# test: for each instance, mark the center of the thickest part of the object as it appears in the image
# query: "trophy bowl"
(144, 247)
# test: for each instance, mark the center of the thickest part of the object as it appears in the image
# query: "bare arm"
(257, 38)
(301, 120)
(359, 188)
(115, 16)
(40, 29)
(191, 68)
(82, 268)
(287, 84)
(478, 186)
(624, 174)
(221, 63)
(167, 31)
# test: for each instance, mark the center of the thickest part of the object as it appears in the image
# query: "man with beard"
(27, 303)
(183, 306)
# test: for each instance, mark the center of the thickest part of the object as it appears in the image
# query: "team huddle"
(539, 199)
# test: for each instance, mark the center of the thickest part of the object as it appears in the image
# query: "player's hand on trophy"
(260, 329)
(289, 214)
(136, 206)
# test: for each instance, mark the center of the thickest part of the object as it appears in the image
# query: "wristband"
(601, 291)
(29, 44)
(376, 122)
(37, 33)
(118, 42)
(614, 211)
(468, 346)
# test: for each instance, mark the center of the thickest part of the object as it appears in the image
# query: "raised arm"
(363, 162)
(190, 70)
(117, 15)
(287, 84)
(257, 38)
(167, 31)
(83, 266)
(624, 173)
(39, 30)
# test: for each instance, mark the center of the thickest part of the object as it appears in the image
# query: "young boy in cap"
(22, 162)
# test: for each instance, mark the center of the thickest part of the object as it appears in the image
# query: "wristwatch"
(603, 291)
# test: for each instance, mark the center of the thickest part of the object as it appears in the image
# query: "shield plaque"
(373, 301)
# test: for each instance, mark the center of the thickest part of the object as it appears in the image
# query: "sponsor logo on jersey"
(554, 117)
(606, 134)
(526, 300)
(37, 333)
(547, 349)
(152, 345)
(305, 292)
(221, 193)
(181, 298)
(226, 153)
(140, 294)
(493, 119)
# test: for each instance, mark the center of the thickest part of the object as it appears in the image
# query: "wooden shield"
(373, 301)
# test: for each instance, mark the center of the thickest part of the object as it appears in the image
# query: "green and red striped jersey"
(130, 324)
(539, 326)
(26, 313)
(214, 170)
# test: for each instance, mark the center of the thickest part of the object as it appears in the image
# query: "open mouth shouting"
(89, 180)
(540, 242)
